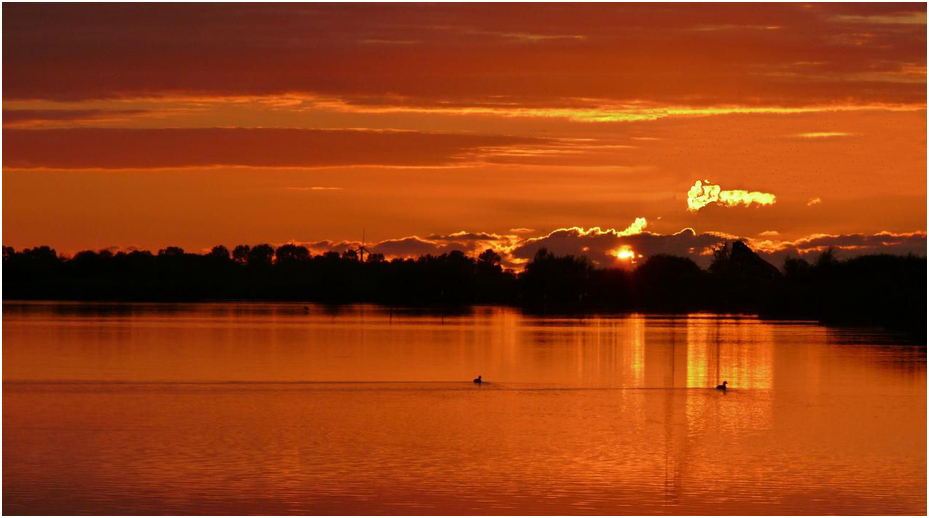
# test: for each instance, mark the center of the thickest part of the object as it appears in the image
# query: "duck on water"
(478, 380)
(718, 387)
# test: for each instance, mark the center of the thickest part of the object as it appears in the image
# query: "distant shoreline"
(866, 291)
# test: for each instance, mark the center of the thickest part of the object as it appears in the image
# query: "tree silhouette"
(551, 282)
(260, 256)
(879, 290)
(219, 252)
(670, 283)
(240, 254)
(291, 253)
(489, 258)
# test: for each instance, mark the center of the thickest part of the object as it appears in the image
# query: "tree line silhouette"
(879, 290)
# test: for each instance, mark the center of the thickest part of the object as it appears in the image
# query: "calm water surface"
(271, 408)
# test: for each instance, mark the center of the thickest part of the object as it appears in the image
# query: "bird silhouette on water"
(478, 380)
(723, 386)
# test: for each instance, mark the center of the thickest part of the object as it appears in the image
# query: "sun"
(625, 254)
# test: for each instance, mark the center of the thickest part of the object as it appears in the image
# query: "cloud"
(470, 243)
(529, 37)
(823, 134)
(705, 28)
(466, 236)
(845, 245)
(117, 148)
(412, 246)
(911, 18)
(511, 247)
(636, 227)
(325, 245)
(450, 51)
(34, 117)
(375, 41)
(609, 247)
(701, 195)
(604, 246)
(584, 110)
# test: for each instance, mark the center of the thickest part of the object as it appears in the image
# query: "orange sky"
(465, 126)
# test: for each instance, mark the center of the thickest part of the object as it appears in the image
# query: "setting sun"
(625, 254)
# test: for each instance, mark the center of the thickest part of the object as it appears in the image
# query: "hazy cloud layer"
(30, 117)
(258, 147)
(775, 54)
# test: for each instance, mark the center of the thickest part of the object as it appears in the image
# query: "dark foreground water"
(273, 408)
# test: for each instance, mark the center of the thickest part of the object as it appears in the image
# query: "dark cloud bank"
(601, 245)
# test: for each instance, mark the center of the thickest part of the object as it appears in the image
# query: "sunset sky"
(437, 127)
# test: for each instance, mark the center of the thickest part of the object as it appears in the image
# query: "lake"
(248, 408)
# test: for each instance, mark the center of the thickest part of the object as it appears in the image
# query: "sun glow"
(625, 254)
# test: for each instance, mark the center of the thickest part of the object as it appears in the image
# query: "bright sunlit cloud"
(637, 227)
(703, 194)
